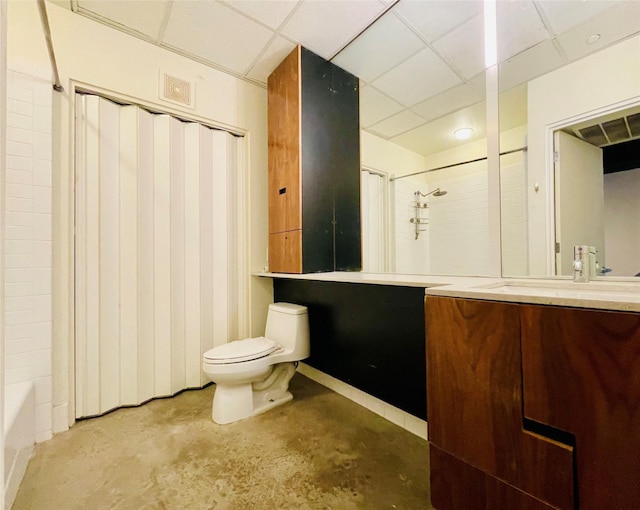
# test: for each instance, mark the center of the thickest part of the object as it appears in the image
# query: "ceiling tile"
(271, 13)
(325, 27)
(529, 64)
(398, 123)
(142, 16)
(213, 32)
(612, 25)
(479, 83)
(464, 47)
(437, 136)
(382, 46)
(375, 106)
(418, 78)
(565, 15)
(448, 101)
(275, 53)
(519, 27)
(433, 19)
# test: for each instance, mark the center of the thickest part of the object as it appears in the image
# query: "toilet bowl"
(252, 375)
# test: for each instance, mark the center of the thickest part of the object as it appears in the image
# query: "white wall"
(105, 60)
(3, 110)
(383, 155)
(578, 91)
(28, 255)
(622, 222)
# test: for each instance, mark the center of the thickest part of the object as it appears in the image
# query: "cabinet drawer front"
(285, 252)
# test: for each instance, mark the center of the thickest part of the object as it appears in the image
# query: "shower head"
(436, 193)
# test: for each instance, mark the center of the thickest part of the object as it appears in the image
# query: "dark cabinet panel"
(345, 161)
(368, 336)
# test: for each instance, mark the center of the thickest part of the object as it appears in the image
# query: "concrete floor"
(320, 451)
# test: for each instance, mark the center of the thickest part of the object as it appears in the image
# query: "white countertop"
(403, 280)
(602, 293)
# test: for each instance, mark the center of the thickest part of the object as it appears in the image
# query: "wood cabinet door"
(285, 252)
(581, 373)
(474, 395)
(456, 485)
(283, 91)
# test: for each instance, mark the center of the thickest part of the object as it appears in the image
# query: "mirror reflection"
(423, 79)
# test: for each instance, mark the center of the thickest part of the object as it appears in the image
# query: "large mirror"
(422, 71)
(424, 179)
(579, 71)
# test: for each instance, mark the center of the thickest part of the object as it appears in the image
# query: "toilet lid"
(241, 350)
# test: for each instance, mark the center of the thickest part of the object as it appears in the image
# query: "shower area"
(439, 218)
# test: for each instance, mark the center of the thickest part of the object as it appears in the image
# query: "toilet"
(252, 375)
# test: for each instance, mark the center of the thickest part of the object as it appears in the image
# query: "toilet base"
(236, 402)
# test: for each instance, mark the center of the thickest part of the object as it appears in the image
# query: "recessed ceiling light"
(592, 39)
(463, 133)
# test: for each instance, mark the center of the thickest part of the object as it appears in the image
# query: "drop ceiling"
(420, 62)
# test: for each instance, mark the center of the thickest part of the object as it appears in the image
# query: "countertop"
(603, 293)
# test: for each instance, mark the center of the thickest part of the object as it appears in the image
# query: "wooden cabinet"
(314, 166)
(474, 395)
(536, 403)
(581, 373)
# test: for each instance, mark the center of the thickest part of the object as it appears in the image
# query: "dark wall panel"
(369, 336)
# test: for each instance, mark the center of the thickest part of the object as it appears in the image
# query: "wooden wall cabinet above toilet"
(314, 166)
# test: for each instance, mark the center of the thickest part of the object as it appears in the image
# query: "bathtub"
(19, 435)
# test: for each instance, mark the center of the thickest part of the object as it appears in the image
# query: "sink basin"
(594, 290)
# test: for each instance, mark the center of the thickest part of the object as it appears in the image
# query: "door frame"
(550, 197)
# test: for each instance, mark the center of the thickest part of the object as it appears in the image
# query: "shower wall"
(459, 225)
(28, 258)
(455, 241)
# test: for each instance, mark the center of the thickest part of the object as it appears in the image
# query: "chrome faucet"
(584, 263)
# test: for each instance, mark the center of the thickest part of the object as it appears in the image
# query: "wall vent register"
(176, 90)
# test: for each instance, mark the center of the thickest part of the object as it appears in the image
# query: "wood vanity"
(532, 406)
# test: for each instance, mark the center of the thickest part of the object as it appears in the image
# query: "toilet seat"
(241, 350)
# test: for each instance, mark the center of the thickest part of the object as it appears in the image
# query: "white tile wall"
(28, 238)
(460, 226)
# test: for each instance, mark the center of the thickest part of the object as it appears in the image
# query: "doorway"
(155, 277)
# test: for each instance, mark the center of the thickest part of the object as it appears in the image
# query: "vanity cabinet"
(314, 166)
(532, 406)
(476, 429)
(581, 373)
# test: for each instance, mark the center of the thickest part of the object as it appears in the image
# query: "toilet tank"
(288, 325)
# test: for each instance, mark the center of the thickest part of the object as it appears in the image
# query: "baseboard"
(393, 414)
(15, 473)
(60, 418)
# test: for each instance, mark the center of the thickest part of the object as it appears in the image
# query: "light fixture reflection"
(463, 133)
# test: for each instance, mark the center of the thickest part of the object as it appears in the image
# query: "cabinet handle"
(282, 191)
